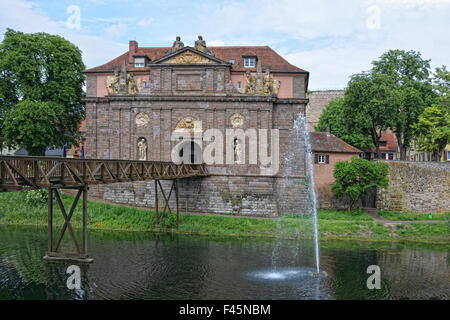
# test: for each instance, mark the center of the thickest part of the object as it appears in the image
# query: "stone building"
(136, 102)
(318, 101)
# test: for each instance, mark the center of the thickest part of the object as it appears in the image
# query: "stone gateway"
(137, 101)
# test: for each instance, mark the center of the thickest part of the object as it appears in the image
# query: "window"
(382, 143)
(391, 156)
(249, 62)
(448, 155)
(239, 85)
(139, 62)
(232, 61)
(321, 158)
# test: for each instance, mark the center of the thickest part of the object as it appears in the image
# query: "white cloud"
(116, 30)
(98, 2)
(332, 39)
(145, 22)
(26, 17)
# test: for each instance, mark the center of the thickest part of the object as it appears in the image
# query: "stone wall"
(237, 195)
(416, 187)
(318, 100)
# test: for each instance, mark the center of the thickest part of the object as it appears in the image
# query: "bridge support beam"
(80, 255)
(173, 187)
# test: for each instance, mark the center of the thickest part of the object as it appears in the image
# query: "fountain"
(312, 191)
(296, 162)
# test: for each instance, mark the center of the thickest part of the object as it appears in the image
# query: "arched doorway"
(191, 153)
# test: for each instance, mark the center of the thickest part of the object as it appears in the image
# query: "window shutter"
(316, 158)
(327, 158)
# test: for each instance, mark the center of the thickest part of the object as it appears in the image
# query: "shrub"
(354, 178)
(36, 197)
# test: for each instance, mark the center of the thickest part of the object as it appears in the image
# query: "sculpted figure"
(276, 86)
(177, 45)
(268, 83)
(200, 45)
(238, 156)
(113, 83)
(250, 87)
(142, 146)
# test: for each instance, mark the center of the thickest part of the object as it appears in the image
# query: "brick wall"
(416, 187)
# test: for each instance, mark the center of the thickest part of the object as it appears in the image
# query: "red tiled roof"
(269, 58)
(391, 142)
(323, 142)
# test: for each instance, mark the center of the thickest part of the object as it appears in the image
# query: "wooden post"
(50, 219)
(85, 195)
(176, 199)
(156, 202)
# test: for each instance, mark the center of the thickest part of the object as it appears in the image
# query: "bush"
(36, 197)
(354, 178)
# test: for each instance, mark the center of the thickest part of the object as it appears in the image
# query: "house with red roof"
(388, 147)
(327, 149)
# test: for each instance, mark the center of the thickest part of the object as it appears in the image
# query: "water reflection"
(149, 266)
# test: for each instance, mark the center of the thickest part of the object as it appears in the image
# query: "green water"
(155, 266)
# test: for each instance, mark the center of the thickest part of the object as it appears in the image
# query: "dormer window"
(249, 62)
(139, 62)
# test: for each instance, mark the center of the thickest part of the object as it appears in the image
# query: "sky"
(332, 39)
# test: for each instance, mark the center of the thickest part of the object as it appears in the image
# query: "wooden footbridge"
(28, 173)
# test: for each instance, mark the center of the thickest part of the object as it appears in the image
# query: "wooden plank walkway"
(19, 172)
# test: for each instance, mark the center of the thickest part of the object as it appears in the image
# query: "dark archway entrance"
(191, 153)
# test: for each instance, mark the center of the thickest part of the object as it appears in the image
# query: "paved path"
(374, 214)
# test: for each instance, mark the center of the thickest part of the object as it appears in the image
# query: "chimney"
(133, 47)
(328, 131)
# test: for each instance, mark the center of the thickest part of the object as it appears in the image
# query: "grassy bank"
(333, 224)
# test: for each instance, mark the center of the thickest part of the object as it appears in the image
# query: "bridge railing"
(19, 172)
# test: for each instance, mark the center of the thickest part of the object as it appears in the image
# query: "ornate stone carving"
(188, 57)
(142, 148)
(189, 124)
(200, 45)
(141, 119)
(112, 83)
(123, 83)
(261, 85)
(237, 121)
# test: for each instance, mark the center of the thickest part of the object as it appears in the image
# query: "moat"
(137, 265)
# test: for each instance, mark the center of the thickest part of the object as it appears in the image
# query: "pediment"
(189, 56)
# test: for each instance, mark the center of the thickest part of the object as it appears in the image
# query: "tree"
(370, 103)
(41, 68)
(33, 124)
(354, 178)
(412, 83)
(441, 86)
(333, 117)
(433, 131)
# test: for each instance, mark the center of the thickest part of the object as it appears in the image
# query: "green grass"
(399, 216)
(333, 224)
